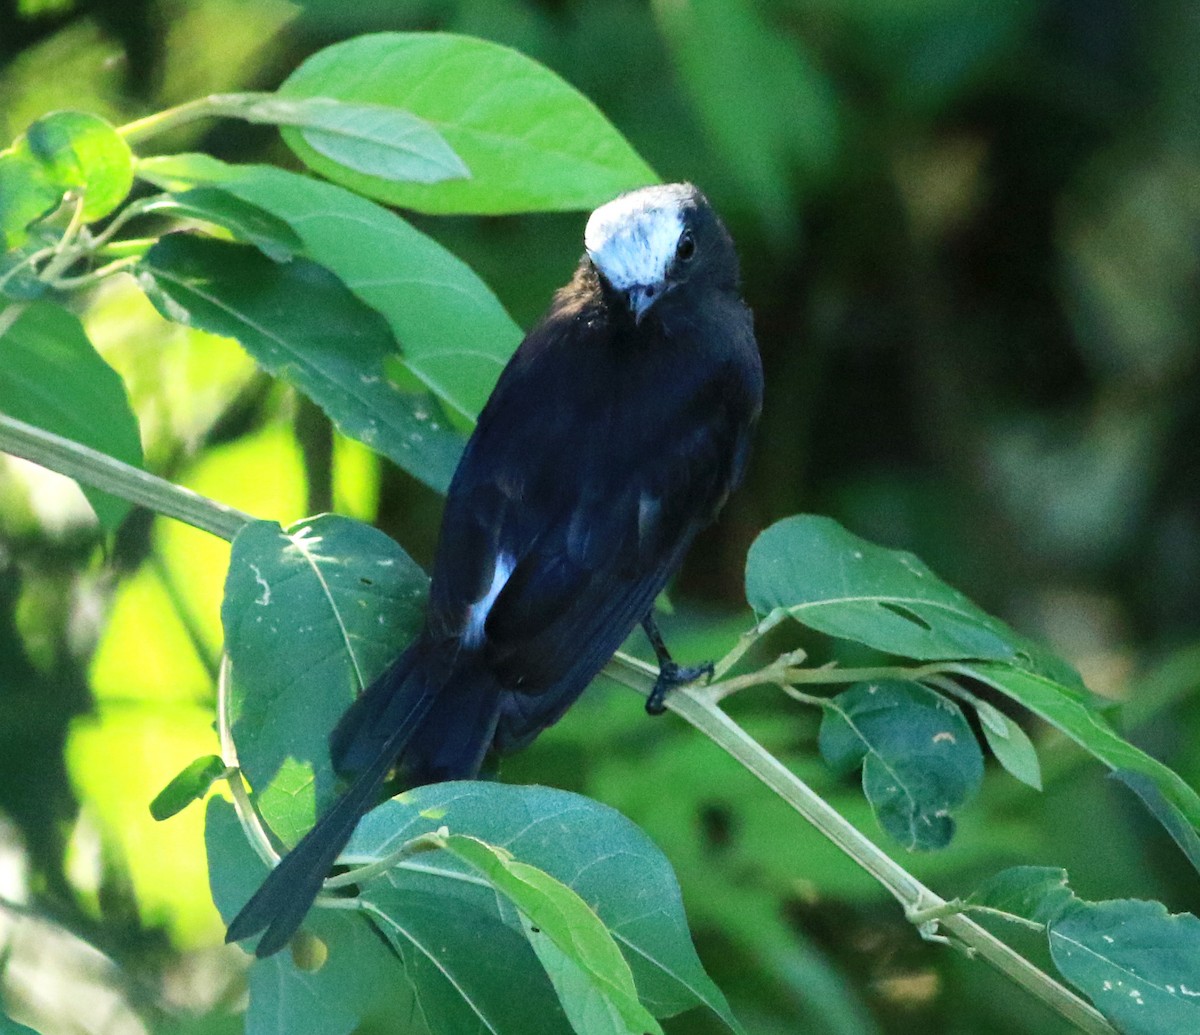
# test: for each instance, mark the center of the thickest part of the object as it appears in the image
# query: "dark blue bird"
(613, 436)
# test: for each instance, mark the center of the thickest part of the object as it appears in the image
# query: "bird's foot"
(671, 675)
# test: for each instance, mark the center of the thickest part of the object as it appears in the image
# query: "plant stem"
(915, 897)
(101, 471)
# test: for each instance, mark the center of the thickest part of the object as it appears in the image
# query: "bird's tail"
(374, 732)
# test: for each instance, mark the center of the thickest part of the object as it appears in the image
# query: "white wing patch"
(632, 239)
(478, 612)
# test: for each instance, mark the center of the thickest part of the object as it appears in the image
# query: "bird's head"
(648, 244)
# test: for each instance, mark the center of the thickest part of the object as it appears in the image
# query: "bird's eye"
(686, 247)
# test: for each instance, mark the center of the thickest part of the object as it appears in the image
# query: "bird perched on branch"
(613, 436)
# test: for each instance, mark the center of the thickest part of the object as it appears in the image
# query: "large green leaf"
(531, 141)
(1138, 963)
(919, 758)
(53, 378)
(300, 322)
(601, 856)
(311, 615)
(833, 581)
(454, 334)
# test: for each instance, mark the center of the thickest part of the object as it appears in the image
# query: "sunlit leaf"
(311, 615)
(80, 152)
(454, 334)
(375, 139)
(530, 140)
(53, 378)
(190, 785)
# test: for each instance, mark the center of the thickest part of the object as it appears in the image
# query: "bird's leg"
(670, 673)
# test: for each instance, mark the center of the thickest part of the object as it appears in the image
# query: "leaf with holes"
(311, 614)
(837, 583)
(1139, 964)
(919, 758)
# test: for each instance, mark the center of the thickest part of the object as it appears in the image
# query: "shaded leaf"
(245, 221)
(593, 981)
(190, 785)
(26, 195)
(53, 378)
(311, 615)
(301, 323)
(837, 583)
(920, 759)
(531, 141)
(1036, 894)
(590, 848)
(1010, 744)
(1165, 811)
(1064, 709)
(1139, 964)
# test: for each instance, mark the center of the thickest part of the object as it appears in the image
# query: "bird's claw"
(671, 675)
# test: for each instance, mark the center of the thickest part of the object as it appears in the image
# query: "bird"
(613, 435)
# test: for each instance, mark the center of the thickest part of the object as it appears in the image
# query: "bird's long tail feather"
(280, 904)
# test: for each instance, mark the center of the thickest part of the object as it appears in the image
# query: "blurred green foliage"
(968, 234)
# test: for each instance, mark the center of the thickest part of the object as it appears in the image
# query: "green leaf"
(190, 785)
(600, 855)
(919, 757)
(311, 615)
(1009, 742)
(375, 139)
(1165, 811)
(531, 141)
(52, 377)
(300, 322)
(359, 980)
(81, 152)
(26, 195)
(837, 583)
(245, 221)
(1139, 964)
(1036, 894)
(592, 979)
(454, 335)
(1066, 710)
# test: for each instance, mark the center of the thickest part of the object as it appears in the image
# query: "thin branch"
(100, 471)
(913, 896)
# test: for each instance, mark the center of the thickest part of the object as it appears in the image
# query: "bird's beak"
(641, 298)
